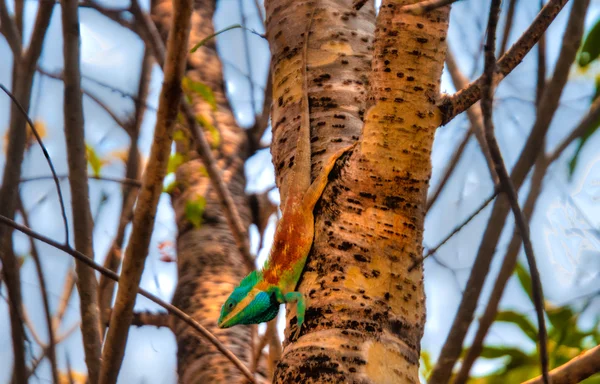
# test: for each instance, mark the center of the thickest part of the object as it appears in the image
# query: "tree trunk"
(365, 305)
(209, 263)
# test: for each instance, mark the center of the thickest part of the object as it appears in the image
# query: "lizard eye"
(230, 304)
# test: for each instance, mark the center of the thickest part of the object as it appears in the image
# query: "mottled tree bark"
(365, 310)
(209, 263)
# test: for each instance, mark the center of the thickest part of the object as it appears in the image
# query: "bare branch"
(463, 99)
(506, 271)
(114, 258)
(97, 100)
(510, 15)
(51, 350)
(449, 169)
(455, 230)
(575, 370)
(173, 310)
(48, 160)
(487, 109)
(87, 284)
(453, 345)
(146, 318)
(229, 208)
(23, 71)
(9, 29)
(586, 123)
(425, 6)
(145, 211)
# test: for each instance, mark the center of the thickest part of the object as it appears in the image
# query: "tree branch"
(114, 258)
(510, 15)
(453, 345)
(425, 6)
(173, 310)
(23, 70)
(145, 211)
(8, 28)
(214, 173)
(507, 185)
(51, 350)
(575, 370)
(87, 284)
(463, 99)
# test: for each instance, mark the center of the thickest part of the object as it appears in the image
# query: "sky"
(565, 227)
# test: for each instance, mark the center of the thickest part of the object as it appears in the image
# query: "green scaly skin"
(259, 294)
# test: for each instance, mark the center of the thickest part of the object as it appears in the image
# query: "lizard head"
(248, 305)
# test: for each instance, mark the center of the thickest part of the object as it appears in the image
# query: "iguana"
(259, 294)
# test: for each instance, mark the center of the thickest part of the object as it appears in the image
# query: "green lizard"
(259, 294)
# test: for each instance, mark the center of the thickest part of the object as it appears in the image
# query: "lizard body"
(259, 294)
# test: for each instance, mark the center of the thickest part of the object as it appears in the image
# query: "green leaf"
(516, 355)
(201, 90)
(590, 49)
(194, 211)
(214, 132)
(591, 130)
(426, 365)
(179, 136)
(519, 320)
(524, 279)
(94, 161)
(175, 160)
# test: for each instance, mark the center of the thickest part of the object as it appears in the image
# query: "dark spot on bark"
(393, 202)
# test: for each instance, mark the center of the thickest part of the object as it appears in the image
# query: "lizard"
(260, 293)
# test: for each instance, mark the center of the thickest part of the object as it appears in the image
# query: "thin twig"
(541, 66)
(152, 181)
(463, 99)
(473, 114)
(247, 55)
(457, 229)
(510, 15)
(9, 30)
(590, 118)
(453, 345)
(22, 79)
(51, 347)
(48, 160)
(113, 257)
(425, 6)
(449, 169)
(508, 265)
(507, 185)
(35, 362)
(120, 180)
(110, 274)
(94, 98)
(214, 173)
(146, 318)
(262, 121)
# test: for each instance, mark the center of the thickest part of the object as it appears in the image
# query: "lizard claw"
(295, 333)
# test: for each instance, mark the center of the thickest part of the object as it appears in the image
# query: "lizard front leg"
(293, 297)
